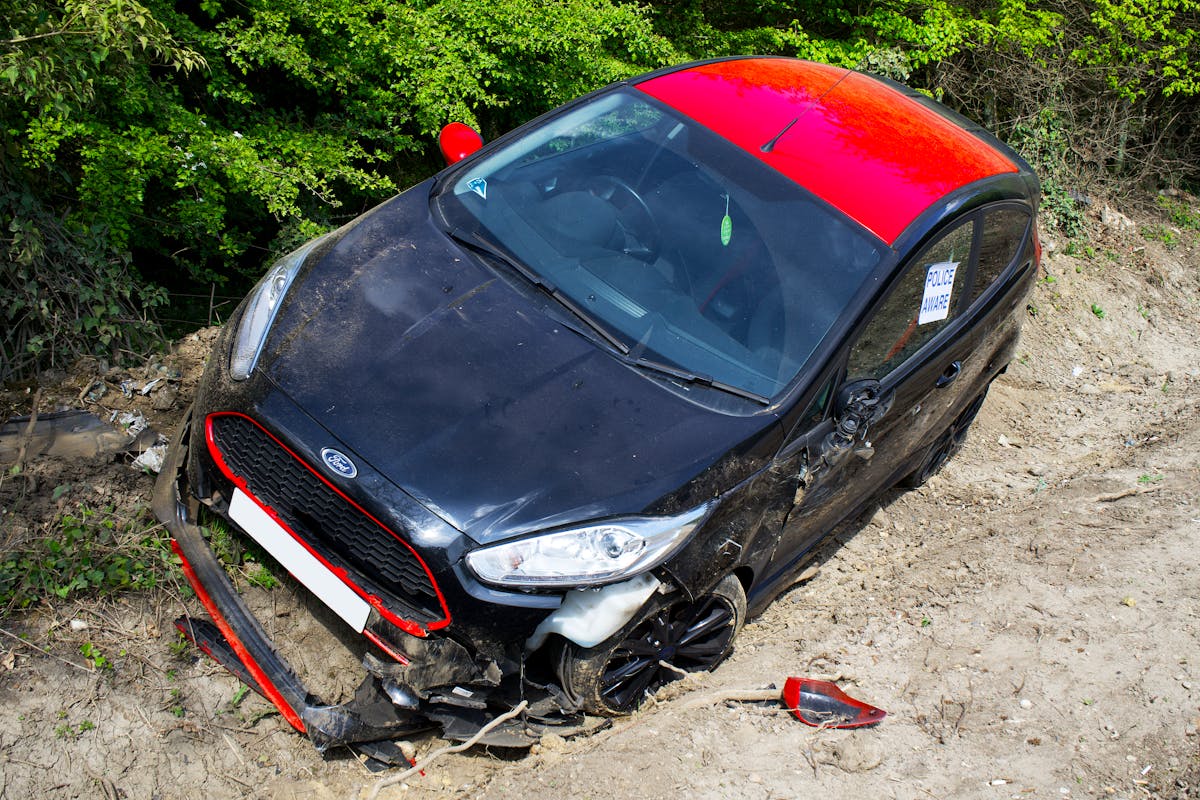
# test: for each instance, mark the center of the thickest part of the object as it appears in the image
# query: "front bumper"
(420, 690)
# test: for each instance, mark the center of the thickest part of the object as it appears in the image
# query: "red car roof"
(867, 149)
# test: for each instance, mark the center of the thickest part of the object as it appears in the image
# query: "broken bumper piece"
(394, 700)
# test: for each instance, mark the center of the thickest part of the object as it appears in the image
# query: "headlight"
(261, 309)
(597, 554)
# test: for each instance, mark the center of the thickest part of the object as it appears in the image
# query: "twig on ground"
(1109, 498)
(47, 652)
(669, 666)
(734, 695)
(392, 780)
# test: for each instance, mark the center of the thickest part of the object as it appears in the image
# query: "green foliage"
(147, 145)
(68, 731)
(162, 145)
(93, 656)
(51, 55)
(87, 552)
(67, 285)
(1181, 213)
(241, 557)
(1145, 46)
(1160, 233)
(1060, 210)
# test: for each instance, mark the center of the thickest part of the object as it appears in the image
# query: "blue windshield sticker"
(479, 187)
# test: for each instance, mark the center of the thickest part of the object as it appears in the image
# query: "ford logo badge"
(339, 462)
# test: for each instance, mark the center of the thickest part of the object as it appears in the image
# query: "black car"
(551, 424)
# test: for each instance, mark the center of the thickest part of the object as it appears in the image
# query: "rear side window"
(1003, 233)
(923, 303)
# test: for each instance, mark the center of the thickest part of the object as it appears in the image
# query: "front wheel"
(669, 637)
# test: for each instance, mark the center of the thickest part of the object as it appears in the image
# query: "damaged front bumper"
(433, 683)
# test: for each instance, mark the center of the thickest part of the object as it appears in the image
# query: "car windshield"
(684, 247)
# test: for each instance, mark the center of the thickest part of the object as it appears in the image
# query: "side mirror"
(856, 407)
(457, 141)
(862, 398)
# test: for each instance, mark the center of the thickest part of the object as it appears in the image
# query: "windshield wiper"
(692, 377)
(477, 241)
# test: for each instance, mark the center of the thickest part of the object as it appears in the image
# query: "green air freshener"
(726, 225)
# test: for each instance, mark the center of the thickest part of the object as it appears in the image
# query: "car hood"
(463, 390)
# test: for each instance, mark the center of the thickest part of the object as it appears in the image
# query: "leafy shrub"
(150, 145)
(87, 552)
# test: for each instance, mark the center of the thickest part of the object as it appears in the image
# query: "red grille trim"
(408, 626)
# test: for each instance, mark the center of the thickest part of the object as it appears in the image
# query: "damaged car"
(550, 425)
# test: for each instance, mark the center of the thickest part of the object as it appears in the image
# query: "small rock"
(164, 399)
(1025, 703)
(552, 743)
(855, 754)
(1111, 218)
(78, 625)
(754, 777)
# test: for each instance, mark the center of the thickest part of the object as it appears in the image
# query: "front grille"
(331, 525)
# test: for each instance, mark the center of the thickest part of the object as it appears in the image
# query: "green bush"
(151, 146)
(86, 552)
(148, 147)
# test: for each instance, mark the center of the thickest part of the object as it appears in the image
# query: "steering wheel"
(643, 240)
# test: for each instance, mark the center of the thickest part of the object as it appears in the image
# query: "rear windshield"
(681, 245)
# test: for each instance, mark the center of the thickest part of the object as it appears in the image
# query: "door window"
(921, 304)
(1003, 234)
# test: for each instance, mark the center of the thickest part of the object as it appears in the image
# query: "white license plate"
(303, 565)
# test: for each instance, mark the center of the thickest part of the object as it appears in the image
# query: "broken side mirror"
(857, 406)
(457, 141)
(862, 400)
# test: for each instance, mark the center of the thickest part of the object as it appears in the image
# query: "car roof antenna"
(769, 146)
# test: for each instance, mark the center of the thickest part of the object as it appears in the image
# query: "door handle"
(947, 377)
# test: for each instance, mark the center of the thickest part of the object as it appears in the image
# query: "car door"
(898, 379)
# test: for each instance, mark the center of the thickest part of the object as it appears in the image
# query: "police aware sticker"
(939, 282)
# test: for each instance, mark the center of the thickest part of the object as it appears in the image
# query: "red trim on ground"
(238, 648)
(875, 154)
(408, 626)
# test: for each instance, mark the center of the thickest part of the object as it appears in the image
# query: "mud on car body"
(550, 425)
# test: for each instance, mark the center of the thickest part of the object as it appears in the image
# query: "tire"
(949, 443)
(616, 676)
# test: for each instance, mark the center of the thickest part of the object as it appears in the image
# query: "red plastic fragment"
(823, 704)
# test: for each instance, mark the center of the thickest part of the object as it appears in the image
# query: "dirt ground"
(1030, 618)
